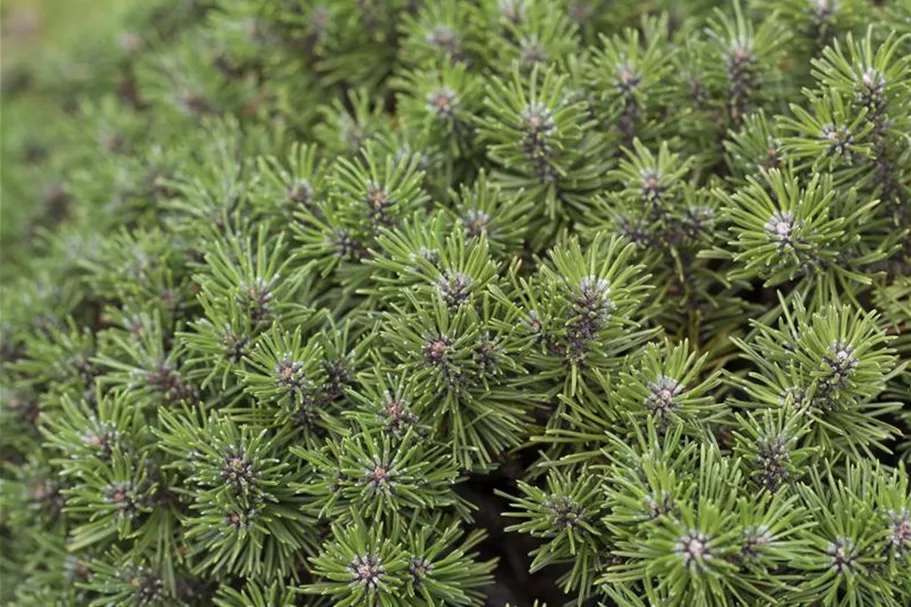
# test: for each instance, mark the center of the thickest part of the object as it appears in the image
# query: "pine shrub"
(400, 303)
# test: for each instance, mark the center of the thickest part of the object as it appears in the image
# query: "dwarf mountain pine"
(459, 303)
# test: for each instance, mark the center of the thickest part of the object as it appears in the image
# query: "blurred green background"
(42, 42)
(35, 30)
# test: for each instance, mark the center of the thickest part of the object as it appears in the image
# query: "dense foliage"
(303, 300)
